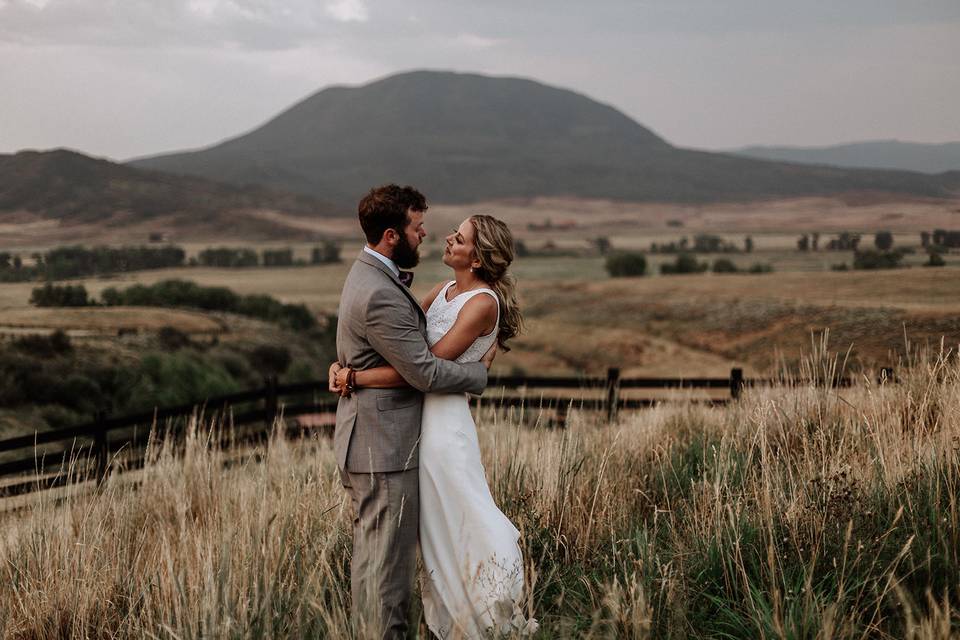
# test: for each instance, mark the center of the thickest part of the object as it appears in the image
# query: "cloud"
(254, 25)
(474, 41)
(142, 76)
(348, 11)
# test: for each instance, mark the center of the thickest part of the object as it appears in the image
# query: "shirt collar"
(384, 259)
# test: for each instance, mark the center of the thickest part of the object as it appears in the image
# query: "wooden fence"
(59, 457)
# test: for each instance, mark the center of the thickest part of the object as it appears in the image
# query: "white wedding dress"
(473, 568)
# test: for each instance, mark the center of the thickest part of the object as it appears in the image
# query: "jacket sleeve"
(393, 330)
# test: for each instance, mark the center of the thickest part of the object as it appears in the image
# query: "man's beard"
(404, 255)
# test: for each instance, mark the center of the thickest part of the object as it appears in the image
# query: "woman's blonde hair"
(493, 247)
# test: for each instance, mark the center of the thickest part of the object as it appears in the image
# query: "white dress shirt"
(384, 259)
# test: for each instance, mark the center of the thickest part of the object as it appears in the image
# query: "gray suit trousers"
(386, 509)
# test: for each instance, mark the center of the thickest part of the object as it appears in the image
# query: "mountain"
(74, 190)
(466, 137)
(877, 154)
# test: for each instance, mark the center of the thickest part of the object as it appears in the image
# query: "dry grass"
(797, 513)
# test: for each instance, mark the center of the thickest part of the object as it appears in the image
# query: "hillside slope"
(467, 137)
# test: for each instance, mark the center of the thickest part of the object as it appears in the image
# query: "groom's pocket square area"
(389, 402)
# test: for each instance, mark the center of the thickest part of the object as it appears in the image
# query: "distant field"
(581, 320)
(783, 219)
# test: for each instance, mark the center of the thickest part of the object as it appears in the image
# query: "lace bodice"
(442, 314)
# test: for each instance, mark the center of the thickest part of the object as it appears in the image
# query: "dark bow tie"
(406, 278)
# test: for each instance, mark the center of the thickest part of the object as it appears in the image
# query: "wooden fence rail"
(87, 448)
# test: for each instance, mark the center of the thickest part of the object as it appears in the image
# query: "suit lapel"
(368, 259)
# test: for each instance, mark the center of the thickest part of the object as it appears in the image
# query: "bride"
(472, 578)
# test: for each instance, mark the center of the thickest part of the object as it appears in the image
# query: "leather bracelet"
(352, 380)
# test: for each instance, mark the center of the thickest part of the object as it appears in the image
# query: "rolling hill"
(71, 190)
(876, 154)
(467, 137)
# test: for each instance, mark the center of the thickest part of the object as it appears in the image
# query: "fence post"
(736, 382)
(270, 400)
(101, 450)
(613, 393)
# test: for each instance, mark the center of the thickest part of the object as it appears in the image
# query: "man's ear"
(391, 236)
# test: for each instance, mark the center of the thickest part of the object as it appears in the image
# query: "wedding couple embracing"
(405, 441)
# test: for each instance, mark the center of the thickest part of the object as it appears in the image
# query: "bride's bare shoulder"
(430, 297)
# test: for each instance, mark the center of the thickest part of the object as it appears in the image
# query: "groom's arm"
(393, 330)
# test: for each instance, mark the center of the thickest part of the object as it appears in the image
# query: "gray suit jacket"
(380, 322)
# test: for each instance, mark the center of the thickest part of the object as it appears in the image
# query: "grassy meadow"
(798, 512)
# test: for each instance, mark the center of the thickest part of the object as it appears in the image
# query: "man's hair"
(386, 208)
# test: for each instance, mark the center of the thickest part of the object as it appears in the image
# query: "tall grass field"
(796, 512)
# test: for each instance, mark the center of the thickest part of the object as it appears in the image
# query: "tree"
(50, 295)
(748, 244)
(883, 240)
(846, 241)
(925, 239)
(626, 264)
(602, 243)
(803, 243)
(277, 257)
(815, 241)
(326, 253)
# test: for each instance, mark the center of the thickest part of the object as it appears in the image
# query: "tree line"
(77, 261)
(634, 263)
(180, 293)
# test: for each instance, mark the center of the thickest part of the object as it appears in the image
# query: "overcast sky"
(122, 78)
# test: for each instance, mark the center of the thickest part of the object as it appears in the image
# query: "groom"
(376, 438)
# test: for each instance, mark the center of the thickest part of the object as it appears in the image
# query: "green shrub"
(51, 295)
(871, 259)
(626, 263)
(184, 293)
(78, 392)
(172, 339)
(170, 379)
(683, 263)
(235, 364)
(228, 257)
(760, 267)
(724, 265)
(270, 359)
(935, 260)
(59, 417)
(297, 317)
(301, 371)
(277, 257)
(45, 346)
